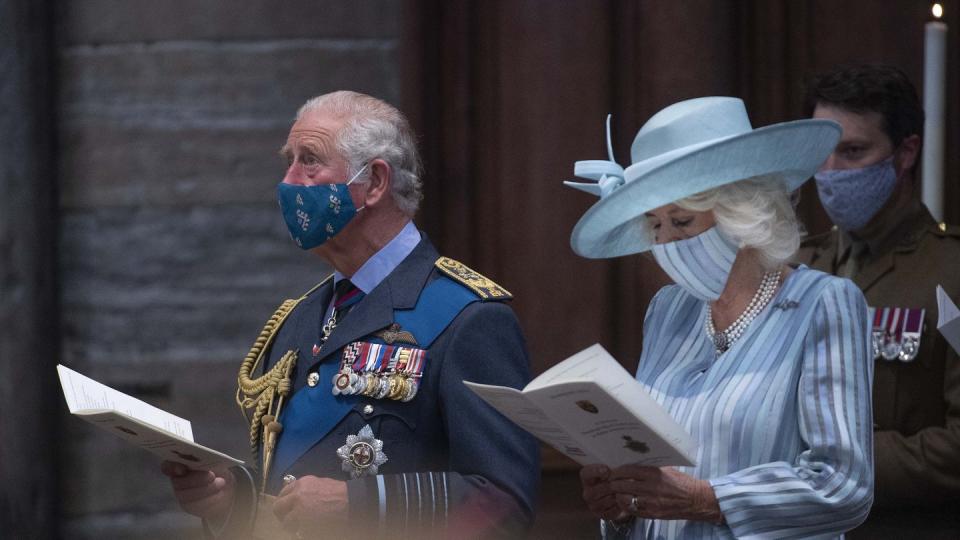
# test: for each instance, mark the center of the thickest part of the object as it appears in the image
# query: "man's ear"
(381, 176)
(905, 156)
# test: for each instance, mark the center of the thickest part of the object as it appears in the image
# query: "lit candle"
(934, 104)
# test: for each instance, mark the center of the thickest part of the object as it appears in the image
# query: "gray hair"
(375, 129)
(756, 212)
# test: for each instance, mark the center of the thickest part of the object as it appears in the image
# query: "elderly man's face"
(671, 222)
(310, 152)
(863, 141)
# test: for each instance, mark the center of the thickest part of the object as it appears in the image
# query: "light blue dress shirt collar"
(379, 266)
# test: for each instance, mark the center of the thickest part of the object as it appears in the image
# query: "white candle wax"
(934, 104)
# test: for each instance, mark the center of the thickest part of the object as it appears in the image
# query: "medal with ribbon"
(876, 331)
(895, 333)
(379, 371)
(910, 332)
(890, 349)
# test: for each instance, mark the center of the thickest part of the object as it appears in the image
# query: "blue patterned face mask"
(315, 214)
(701, 264)
(852, 197)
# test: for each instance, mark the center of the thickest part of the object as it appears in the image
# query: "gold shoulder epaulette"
(476, 282)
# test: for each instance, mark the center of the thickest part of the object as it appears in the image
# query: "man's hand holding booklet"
(592, 410)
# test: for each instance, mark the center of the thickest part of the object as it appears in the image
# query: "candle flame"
(937, 10)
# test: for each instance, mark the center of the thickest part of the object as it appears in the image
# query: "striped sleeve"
(829, 486)
(427, 504)
(402, 504)
(611, 530)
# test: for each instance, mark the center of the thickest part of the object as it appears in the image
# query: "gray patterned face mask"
(701, 264)
(852, 197)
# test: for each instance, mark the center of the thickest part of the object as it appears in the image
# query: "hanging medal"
(876, 330)
(413, 371)
(344, 380)
(891, 338)
(379, 371)
(911, 330)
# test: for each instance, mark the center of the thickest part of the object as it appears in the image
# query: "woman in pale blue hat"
(766, 366)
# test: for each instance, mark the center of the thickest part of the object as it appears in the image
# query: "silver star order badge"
(363, 454)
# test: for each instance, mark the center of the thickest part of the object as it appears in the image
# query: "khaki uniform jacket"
(916, 405)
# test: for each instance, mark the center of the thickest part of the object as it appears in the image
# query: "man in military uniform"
(886, 241)
(361, 424)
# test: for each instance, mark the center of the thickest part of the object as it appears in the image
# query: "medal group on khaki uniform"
(895, 333)
(916, 390)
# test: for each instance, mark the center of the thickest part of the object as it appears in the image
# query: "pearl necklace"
(723, 340)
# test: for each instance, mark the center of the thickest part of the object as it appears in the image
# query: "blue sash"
(314, 411)
(439, 304)
(303, 422)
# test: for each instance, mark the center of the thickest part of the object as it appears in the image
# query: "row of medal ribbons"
(895, 334)
(379, 371)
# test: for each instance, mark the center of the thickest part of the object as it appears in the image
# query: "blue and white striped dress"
(783, 417)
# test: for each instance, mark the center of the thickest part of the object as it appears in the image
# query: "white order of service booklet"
(948, 320)
(139, 423)
(592, 410)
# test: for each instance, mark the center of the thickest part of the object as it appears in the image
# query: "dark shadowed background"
(140, 242)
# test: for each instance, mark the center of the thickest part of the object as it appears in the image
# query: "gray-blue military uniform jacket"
(453, 463)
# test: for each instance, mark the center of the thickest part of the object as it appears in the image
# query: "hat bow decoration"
(608, 174)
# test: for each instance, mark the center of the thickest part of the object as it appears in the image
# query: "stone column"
(29, 396)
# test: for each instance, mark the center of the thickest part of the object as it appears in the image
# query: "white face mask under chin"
(701, 264)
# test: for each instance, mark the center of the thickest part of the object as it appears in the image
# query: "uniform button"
(313, 379)
(368, 409)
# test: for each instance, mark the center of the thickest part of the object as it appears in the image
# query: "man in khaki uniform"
(886, 241)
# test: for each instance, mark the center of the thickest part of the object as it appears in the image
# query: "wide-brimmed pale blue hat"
(688, 148)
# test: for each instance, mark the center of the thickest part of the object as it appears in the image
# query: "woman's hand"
(663, 493)
(600, 498)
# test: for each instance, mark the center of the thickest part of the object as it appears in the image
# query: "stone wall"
(173, 253)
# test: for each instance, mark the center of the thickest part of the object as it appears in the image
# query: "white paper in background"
(85, 394)
(948, 319)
